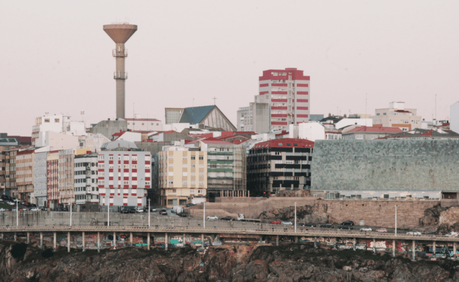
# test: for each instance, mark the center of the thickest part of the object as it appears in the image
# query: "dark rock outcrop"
(225, 263)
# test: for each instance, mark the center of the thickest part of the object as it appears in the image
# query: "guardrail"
(236, 231)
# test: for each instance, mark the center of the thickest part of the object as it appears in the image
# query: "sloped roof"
(195, 114)
(375, 129)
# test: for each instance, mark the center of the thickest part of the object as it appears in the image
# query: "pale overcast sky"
(56, 58)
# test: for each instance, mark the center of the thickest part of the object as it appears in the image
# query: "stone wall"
(372, 213)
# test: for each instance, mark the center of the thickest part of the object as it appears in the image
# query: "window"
(184, 182)
(193, 158)
(201, 158)
(184, 157)
(201, 174)
(193, 173)
(171, 182)
(147, 182)
(185, 173)
(199, 191)
(192, 191)
(201, 183)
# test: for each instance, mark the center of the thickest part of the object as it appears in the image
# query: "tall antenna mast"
(435, 106)
(215, 98)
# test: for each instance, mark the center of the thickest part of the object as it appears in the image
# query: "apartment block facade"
(24, 174)
(86, 179)
(279, 164)
(40, 178)
(288, 93)
(397, 116)
(66, 171)
(123, 177)
(52, 179)
(182, 175)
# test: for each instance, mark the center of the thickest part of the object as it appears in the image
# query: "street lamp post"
(295, 216)
(148, 212)
(395, 220)
(108, 212)
(17, 212)
(70, 214)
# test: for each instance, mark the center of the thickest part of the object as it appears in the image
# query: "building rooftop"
(285, 142)
(380, 129)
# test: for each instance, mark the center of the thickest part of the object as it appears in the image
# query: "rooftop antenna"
(193, 102)
(366, 97)
(120, 33)
(435, 106)
(215, 98)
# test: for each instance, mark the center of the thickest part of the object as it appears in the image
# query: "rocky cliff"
(19, 262)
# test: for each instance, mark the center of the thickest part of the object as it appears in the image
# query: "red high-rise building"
(288, 93)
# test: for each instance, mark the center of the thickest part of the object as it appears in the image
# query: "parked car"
(347, 227)
(125, 210)
(163, 212)
(190, 205)
(275, 222)
(212, 217)
(348, 222)
(414, 233)
(310, 224)
(10, 203)
(452, 234)
(366, 229)
(327, 225)
(154, 210)
(286, 223)
(229, 218)
(381, 230)
(182, 214)
(35, 209)
(139, 210)
(2, 210)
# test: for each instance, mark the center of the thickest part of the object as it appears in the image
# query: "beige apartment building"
(182, 175)
(397, 116)
(24, 175)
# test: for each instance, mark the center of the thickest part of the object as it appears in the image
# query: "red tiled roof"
(376, 129)
(285, 142)
(210, 140)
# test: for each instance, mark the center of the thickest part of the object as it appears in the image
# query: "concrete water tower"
(120, 33)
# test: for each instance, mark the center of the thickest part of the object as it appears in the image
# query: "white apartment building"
(124, 175)
(397, 116)
(57, 124)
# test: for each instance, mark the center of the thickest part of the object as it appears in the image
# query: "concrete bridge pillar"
(15, 237)
(54, 241)
(130, 238)
(454, 250)
(41, 239)
(296, 239)
(114, 240)
(98, 242)
(83, 239)
(148, 240)
(374, 245)
(277, 240)
(166, 241)
(353, 244)
(434, 247)
(202, 240)
(393, 248)
(413, 249)
(68, 242)
(28, 237)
